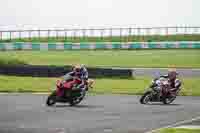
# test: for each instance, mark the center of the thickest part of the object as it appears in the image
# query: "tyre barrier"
(98, 45)
(57, 71)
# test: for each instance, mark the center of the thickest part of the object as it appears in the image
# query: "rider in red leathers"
(73, 80)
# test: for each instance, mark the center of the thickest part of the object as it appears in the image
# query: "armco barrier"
(99, 45)
(56, 71)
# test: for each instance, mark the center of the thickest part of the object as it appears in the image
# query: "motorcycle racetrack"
(27, 113)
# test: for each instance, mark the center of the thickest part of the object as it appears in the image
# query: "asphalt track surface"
(160, 71)
(26, 113)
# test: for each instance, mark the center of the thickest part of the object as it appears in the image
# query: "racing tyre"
(51, 100)
(146, 98)
(75, 101)
(168, 100)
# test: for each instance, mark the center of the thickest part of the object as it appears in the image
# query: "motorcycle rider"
(70, 78)
(77, 72)
(81, 72)
(174, 82)
(84, 75)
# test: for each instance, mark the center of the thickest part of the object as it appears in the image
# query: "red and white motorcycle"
(69, 95)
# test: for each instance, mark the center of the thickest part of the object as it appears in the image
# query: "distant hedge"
(133, 38)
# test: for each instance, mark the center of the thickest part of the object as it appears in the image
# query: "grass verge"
(111, 58)
(179, 130)
(11, 62)
(101, 86)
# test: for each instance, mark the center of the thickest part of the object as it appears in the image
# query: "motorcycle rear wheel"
(168, 100)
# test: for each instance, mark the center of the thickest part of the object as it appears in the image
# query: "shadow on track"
(161, 104)
(77, 106)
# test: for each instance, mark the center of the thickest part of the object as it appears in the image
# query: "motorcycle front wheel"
(51, 100)
(146, 98)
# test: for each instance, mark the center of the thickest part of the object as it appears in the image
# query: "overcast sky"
(98, 13)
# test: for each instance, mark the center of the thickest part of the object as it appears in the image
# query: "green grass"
(122, 58)
(176, 130)
(181, 37)
(106, 86)
(11, 62)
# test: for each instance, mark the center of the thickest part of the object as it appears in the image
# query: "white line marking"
(178, 69)
(175, 124)
(107, 130)
(189, 127)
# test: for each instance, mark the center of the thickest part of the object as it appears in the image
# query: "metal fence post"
(48, 34)
(167, 33)
(91, 32)
(129, 35)
(29, 35)
(10, 33)
(39, 34)
(110, 35)
(56, 35)
(74, 38)
(78, 37)
(148, 36)
(1, 35)
(20, 35)
(120, 32)
(176, 30)
(65, 34)
(185, 30)
(83, 37)
(102, 31)
(71, 37)
(195, 30)
(148, 31)
(138, 33)
(143, 35)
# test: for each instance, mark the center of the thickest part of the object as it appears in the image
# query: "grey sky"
(98, 13)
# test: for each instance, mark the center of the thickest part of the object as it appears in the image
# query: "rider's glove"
(78, 87)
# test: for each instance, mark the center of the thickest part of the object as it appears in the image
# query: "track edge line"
(175, 124)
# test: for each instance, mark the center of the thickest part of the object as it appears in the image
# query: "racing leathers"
(82, 75)
(174, 86)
